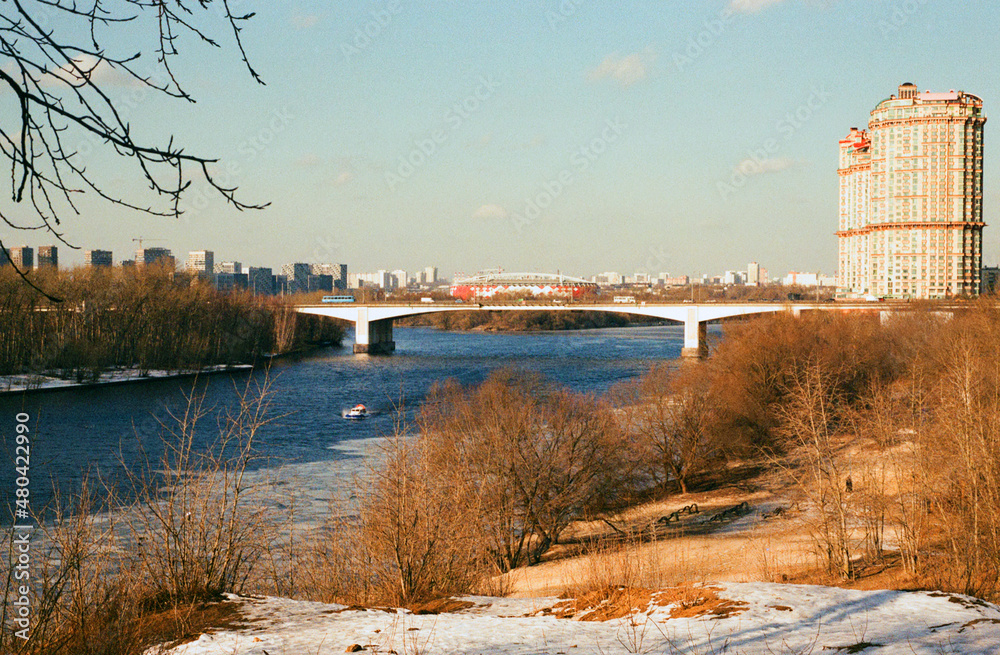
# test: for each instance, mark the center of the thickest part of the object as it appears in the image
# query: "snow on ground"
(778, 619)
(35, 382)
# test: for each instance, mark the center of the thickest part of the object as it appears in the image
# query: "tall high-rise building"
(298, 276)
(261, 281)
(319, 283)
(233, 268)
(22, 257)
(753, 274)
(201, 263)
(48, 257)
(97, 258)
(911, 198)
(151, 256)
(336, 271)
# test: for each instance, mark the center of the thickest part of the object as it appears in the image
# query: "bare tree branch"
(60, 83)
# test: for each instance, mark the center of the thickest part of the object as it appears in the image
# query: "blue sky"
(575, 135)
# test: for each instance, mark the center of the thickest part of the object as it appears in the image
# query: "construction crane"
(141, 239)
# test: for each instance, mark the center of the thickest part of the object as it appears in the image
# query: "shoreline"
(33, 383)
(37, 383)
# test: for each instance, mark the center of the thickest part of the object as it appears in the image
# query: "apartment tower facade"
(911, 198)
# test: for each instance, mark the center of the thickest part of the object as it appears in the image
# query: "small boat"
(356, 413)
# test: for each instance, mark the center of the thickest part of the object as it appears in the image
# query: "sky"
(536, 135)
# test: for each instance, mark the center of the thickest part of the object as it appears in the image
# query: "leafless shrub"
(670, 416)
(810, 423)
(202, 527)
(528, 459)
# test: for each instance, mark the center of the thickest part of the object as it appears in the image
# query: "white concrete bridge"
(373, 322)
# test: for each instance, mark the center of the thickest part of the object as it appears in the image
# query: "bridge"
(373, 322)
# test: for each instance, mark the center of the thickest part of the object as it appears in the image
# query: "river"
(99, 429)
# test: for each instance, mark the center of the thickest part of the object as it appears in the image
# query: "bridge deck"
(373, 321)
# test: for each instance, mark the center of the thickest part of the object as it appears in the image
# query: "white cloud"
(309, 159)
(482, 142)
(751, 167)
(750, 6)
(95, 69)
(625, 70)
(304, 21)
(490, 212)
(535, 142)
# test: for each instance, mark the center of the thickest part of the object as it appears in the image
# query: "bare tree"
(57, 57)
(671, 416)
(527, 460)
(810, 422)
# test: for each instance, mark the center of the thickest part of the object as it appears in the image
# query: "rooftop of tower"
(908, 92)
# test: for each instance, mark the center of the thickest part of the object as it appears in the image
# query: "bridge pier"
(695, 336)
(373, 337)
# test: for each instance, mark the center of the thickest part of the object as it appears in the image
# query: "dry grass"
(686, 601)
(599, 558)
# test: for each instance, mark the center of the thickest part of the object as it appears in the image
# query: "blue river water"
(101, 429)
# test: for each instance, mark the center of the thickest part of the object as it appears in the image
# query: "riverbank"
(41, 383)
(527, 321)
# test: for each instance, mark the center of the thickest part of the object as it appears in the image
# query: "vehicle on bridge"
(624, 300)
(338, 298)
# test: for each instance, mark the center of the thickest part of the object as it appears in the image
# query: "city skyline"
(683, 139)
(202, 262)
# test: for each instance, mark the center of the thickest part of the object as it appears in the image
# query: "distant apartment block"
(609, 278)
(911, 198)
(733, 278)
(231, 281)
(990, 280)
(23, 257)
(641, 278)
(97, 258)
(260, 281)
(48, 257)
(810, 280)
(429, 276)
(228, 267)
(338, 272)
(201, 263)
(381, 279)
(155, 256)
(319, 283)
(298, 276)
